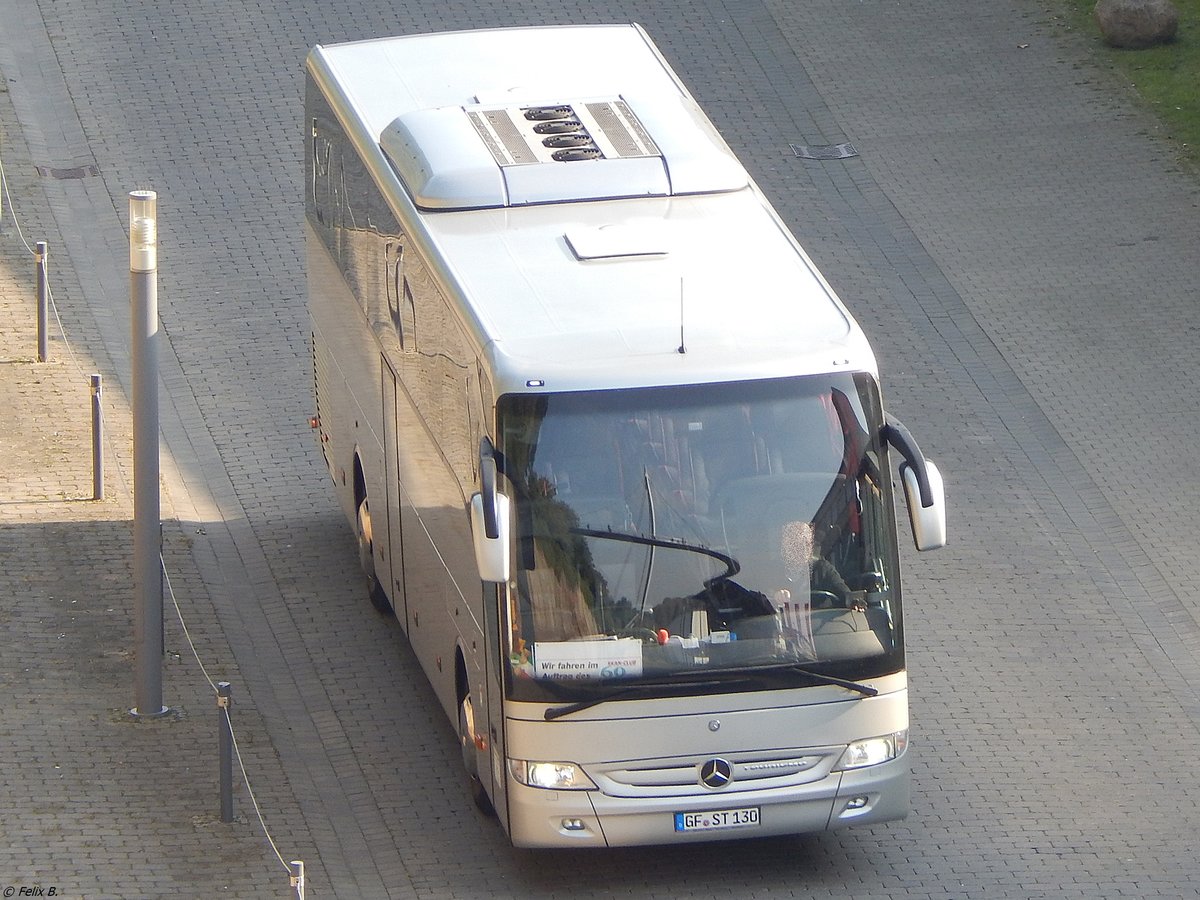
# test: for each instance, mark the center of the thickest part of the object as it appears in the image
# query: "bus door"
(391, 572)
(496, 782)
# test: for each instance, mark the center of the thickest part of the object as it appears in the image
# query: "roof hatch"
(626, 239)
(470, 157)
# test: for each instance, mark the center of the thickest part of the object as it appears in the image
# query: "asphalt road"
(1012, 232)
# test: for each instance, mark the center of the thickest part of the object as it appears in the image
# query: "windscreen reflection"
(669, 533)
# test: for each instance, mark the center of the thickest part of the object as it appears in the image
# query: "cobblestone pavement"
(1013, 233)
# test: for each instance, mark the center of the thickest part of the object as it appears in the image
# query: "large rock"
(1135, 24)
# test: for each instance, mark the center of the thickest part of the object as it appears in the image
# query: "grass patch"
(1166, 77)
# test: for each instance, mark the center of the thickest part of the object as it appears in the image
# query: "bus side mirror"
(491, 553)
(924, 491)
(928, 522)
(490, 520)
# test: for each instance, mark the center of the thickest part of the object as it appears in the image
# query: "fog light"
(857, 803)
(572, 824)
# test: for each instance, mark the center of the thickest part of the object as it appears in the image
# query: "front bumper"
(541, 818)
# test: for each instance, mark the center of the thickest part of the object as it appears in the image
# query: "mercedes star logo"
(716, 773)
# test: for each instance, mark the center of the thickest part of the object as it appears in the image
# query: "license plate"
(747, 817)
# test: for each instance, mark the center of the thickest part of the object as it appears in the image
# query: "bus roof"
(644, 255)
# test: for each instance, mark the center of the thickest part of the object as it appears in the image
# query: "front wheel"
(466, 739)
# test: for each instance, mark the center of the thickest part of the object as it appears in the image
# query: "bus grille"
(681, 777)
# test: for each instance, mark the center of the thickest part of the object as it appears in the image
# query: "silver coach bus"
(614, 452)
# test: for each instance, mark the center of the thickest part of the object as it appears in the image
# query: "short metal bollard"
(224, 699)
(297, 879)
(43, 302)
(97, 438)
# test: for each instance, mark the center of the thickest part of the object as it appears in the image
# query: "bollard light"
(143, 231)
(147, 524)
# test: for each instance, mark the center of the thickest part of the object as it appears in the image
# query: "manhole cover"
(824, 151)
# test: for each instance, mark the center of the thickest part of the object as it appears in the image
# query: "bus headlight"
(872, 751)
(555, 776)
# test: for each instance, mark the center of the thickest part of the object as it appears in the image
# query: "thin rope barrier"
(12, 209)
(297, 881)
(5, 195)
(182, 624)
(229, 721)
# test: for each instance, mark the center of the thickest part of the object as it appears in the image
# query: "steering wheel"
(824, 599)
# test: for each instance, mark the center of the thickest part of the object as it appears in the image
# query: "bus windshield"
(667, 534)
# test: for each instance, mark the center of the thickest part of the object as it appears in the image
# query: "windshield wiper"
(682, 679)
(750, 671)
(631, 690)
(865, 689)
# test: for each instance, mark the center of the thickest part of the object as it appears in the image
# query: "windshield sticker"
(587, 660)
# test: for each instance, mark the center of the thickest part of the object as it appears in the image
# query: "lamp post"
(147, 531)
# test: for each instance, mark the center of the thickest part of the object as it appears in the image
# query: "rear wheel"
(366, 558)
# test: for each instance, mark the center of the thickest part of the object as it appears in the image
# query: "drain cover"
(77, 172)
(824, 151)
